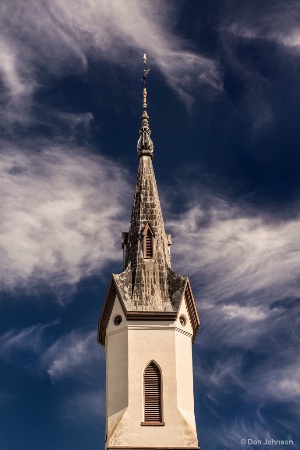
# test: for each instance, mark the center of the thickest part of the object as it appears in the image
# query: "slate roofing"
(148, 287)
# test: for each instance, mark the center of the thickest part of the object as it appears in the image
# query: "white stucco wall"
(184, 369)
(116, 348)
(130, 346)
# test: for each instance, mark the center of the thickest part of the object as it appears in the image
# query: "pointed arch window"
(148, 245)
(152, 395)
(148, 237)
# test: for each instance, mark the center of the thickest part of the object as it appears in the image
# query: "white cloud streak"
(14, 84)
(277, 23)
(278, 379)
(73, 355)
(62, 36)
(239, 253)
(230, 435)
(29, 339)
(250, 313)
(112, 27)
(244, 270)
(17, 84)
(61, 214)
(288, 38)
(273, 28)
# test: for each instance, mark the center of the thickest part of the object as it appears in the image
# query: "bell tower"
(148, 323)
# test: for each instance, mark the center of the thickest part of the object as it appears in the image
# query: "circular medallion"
(117, 320)
(182, 320)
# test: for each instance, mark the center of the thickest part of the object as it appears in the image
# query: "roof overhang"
(143, 315)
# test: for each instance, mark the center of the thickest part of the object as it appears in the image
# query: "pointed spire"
(147, 282)
(148, 288)
(145, 144)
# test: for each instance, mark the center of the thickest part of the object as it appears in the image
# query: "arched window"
(148, 245)
(152, 394)
(148, 237)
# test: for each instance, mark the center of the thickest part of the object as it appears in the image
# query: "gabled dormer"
(148, 239)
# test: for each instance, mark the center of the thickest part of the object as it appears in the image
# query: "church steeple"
(148, 284)
(148, 321)
(147, 254)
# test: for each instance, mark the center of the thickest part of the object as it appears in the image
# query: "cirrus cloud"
(61, 213)
(61, 37)
(244, 254)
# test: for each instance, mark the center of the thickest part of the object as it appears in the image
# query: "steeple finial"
(145, 145)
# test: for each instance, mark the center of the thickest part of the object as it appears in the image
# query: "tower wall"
(184, 369)
(129, 349)
(117, 383)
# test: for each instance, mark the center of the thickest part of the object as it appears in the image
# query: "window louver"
(152, 392)
(148, 245)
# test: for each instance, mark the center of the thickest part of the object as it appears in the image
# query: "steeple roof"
(147, 287)
(149, 271)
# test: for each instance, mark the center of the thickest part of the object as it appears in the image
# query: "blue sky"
(224, 106)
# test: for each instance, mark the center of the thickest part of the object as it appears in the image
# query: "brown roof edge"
(151, 315)
(191, 301)
(192, 308)
(108, 305)
(106, 310)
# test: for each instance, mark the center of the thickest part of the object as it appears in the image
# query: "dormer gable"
(187, 314)
(148, 239)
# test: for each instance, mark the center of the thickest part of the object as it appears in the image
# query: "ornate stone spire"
(147, 244)
(147, 252)
(145, 144)
(147, 289)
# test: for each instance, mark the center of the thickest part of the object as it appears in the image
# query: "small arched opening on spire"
(152, 395)
(148, 242)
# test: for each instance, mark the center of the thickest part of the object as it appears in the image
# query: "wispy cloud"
(73, 355)
(17, 84)
(113, 29)
(271, 30)
(243, 253)
(250, 313)
(256, 386)
(223, 377)
(62, 213)
(275, 21)
(244, 268)
(250, 431)
(61, 37)
(11, 73)
(273, 377)
(24, 346)
(278, 379)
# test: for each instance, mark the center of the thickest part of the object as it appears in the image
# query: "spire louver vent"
(149, 245)
(152, 391)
